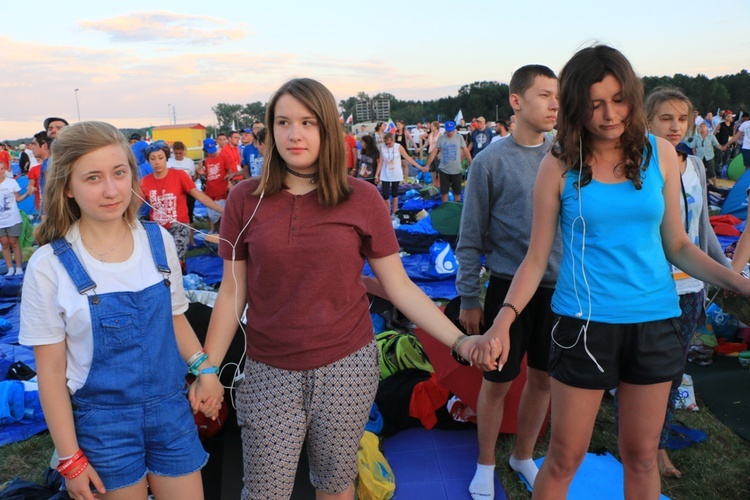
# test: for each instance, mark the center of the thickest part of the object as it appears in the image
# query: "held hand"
(481, 351)
(78, 487)
(472, 320)
(210, 408)
(205, 392)
(377, 179)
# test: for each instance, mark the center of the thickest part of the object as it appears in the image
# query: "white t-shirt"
(391, 169)
(694, 193)
(53, 311)
(745, 129)
(185, 164)
(9, 213)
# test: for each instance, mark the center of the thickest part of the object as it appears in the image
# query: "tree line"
(490, 99)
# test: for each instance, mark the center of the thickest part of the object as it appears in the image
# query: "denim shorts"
(124, 443)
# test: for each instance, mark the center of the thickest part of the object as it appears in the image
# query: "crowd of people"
(297, 213)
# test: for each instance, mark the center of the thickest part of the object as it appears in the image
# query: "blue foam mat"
(600, 476)
(434, 464)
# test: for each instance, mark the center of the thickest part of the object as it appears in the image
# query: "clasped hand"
(206, 395)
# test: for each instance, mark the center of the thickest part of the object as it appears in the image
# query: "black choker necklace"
(313, 176)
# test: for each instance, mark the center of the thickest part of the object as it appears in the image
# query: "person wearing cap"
(216, 186)
(451, 147)
(246, 137)
(53, 125)
(250, 155)
(480, 138)
(134, 137)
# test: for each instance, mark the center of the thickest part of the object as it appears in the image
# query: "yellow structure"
(191, 134)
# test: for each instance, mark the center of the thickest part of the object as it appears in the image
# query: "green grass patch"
(718, 468)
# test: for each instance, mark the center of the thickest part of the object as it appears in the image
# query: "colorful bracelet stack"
(73, 466)
(196, 360)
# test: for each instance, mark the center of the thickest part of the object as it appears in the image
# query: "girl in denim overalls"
(103, 310)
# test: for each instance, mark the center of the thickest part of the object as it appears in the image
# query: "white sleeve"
(42, 321)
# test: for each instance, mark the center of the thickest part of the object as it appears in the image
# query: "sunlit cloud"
(136, 88)
(166, 27)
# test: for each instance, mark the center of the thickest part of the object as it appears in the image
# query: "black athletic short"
(529, 333)
(452, 182)
(637, 353)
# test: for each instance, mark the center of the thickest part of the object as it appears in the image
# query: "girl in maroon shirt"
(294, 243)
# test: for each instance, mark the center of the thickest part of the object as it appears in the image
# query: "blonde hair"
(72, 143)
(660, 95)
(331, 180)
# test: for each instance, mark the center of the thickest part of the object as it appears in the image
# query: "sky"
(139, 64)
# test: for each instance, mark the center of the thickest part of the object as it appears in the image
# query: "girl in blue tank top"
(614, 192)
(103, 306)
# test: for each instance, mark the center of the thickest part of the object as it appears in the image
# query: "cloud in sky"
(134, 88)
(167, 27)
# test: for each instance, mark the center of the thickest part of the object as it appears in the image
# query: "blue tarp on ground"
(416, 267)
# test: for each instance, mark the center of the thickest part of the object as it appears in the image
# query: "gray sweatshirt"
(496, 218)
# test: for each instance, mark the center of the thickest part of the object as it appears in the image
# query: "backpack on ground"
(399, 351)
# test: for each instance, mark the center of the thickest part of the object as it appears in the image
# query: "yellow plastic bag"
(375, 480)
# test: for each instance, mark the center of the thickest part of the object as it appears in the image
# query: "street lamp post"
(78, 108)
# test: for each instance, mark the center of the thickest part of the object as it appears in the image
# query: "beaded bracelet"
(515, 309)
(455, 347)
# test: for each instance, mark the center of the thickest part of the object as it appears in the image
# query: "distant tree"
(486, 99)
(254, 111)
(227, 115)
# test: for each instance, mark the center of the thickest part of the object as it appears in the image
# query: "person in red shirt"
(165, 192)
(4, 155)
(216, 186)
(230, 158)
(288, 238)
(351, 152)
(40, 149)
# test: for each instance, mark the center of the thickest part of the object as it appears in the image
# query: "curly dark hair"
(587, 67)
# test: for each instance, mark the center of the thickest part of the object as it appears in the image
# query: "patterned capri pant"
(181, 235)
(329, 406)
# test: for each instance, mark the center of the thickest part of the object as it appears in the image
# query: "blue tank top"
(613, 266)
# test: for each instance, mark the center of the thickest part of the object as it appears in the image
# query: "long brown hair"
(587, 67)
(331, 180)
(71, 143)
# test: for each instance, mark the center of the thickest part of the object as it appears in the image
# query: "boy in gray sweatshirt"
(496, 223)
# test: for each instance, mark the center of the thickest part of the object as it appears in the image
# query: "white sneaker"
(19, 271)
(11, 271)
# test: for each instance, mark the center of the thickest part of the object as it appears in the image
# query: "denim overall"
(132, 415)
